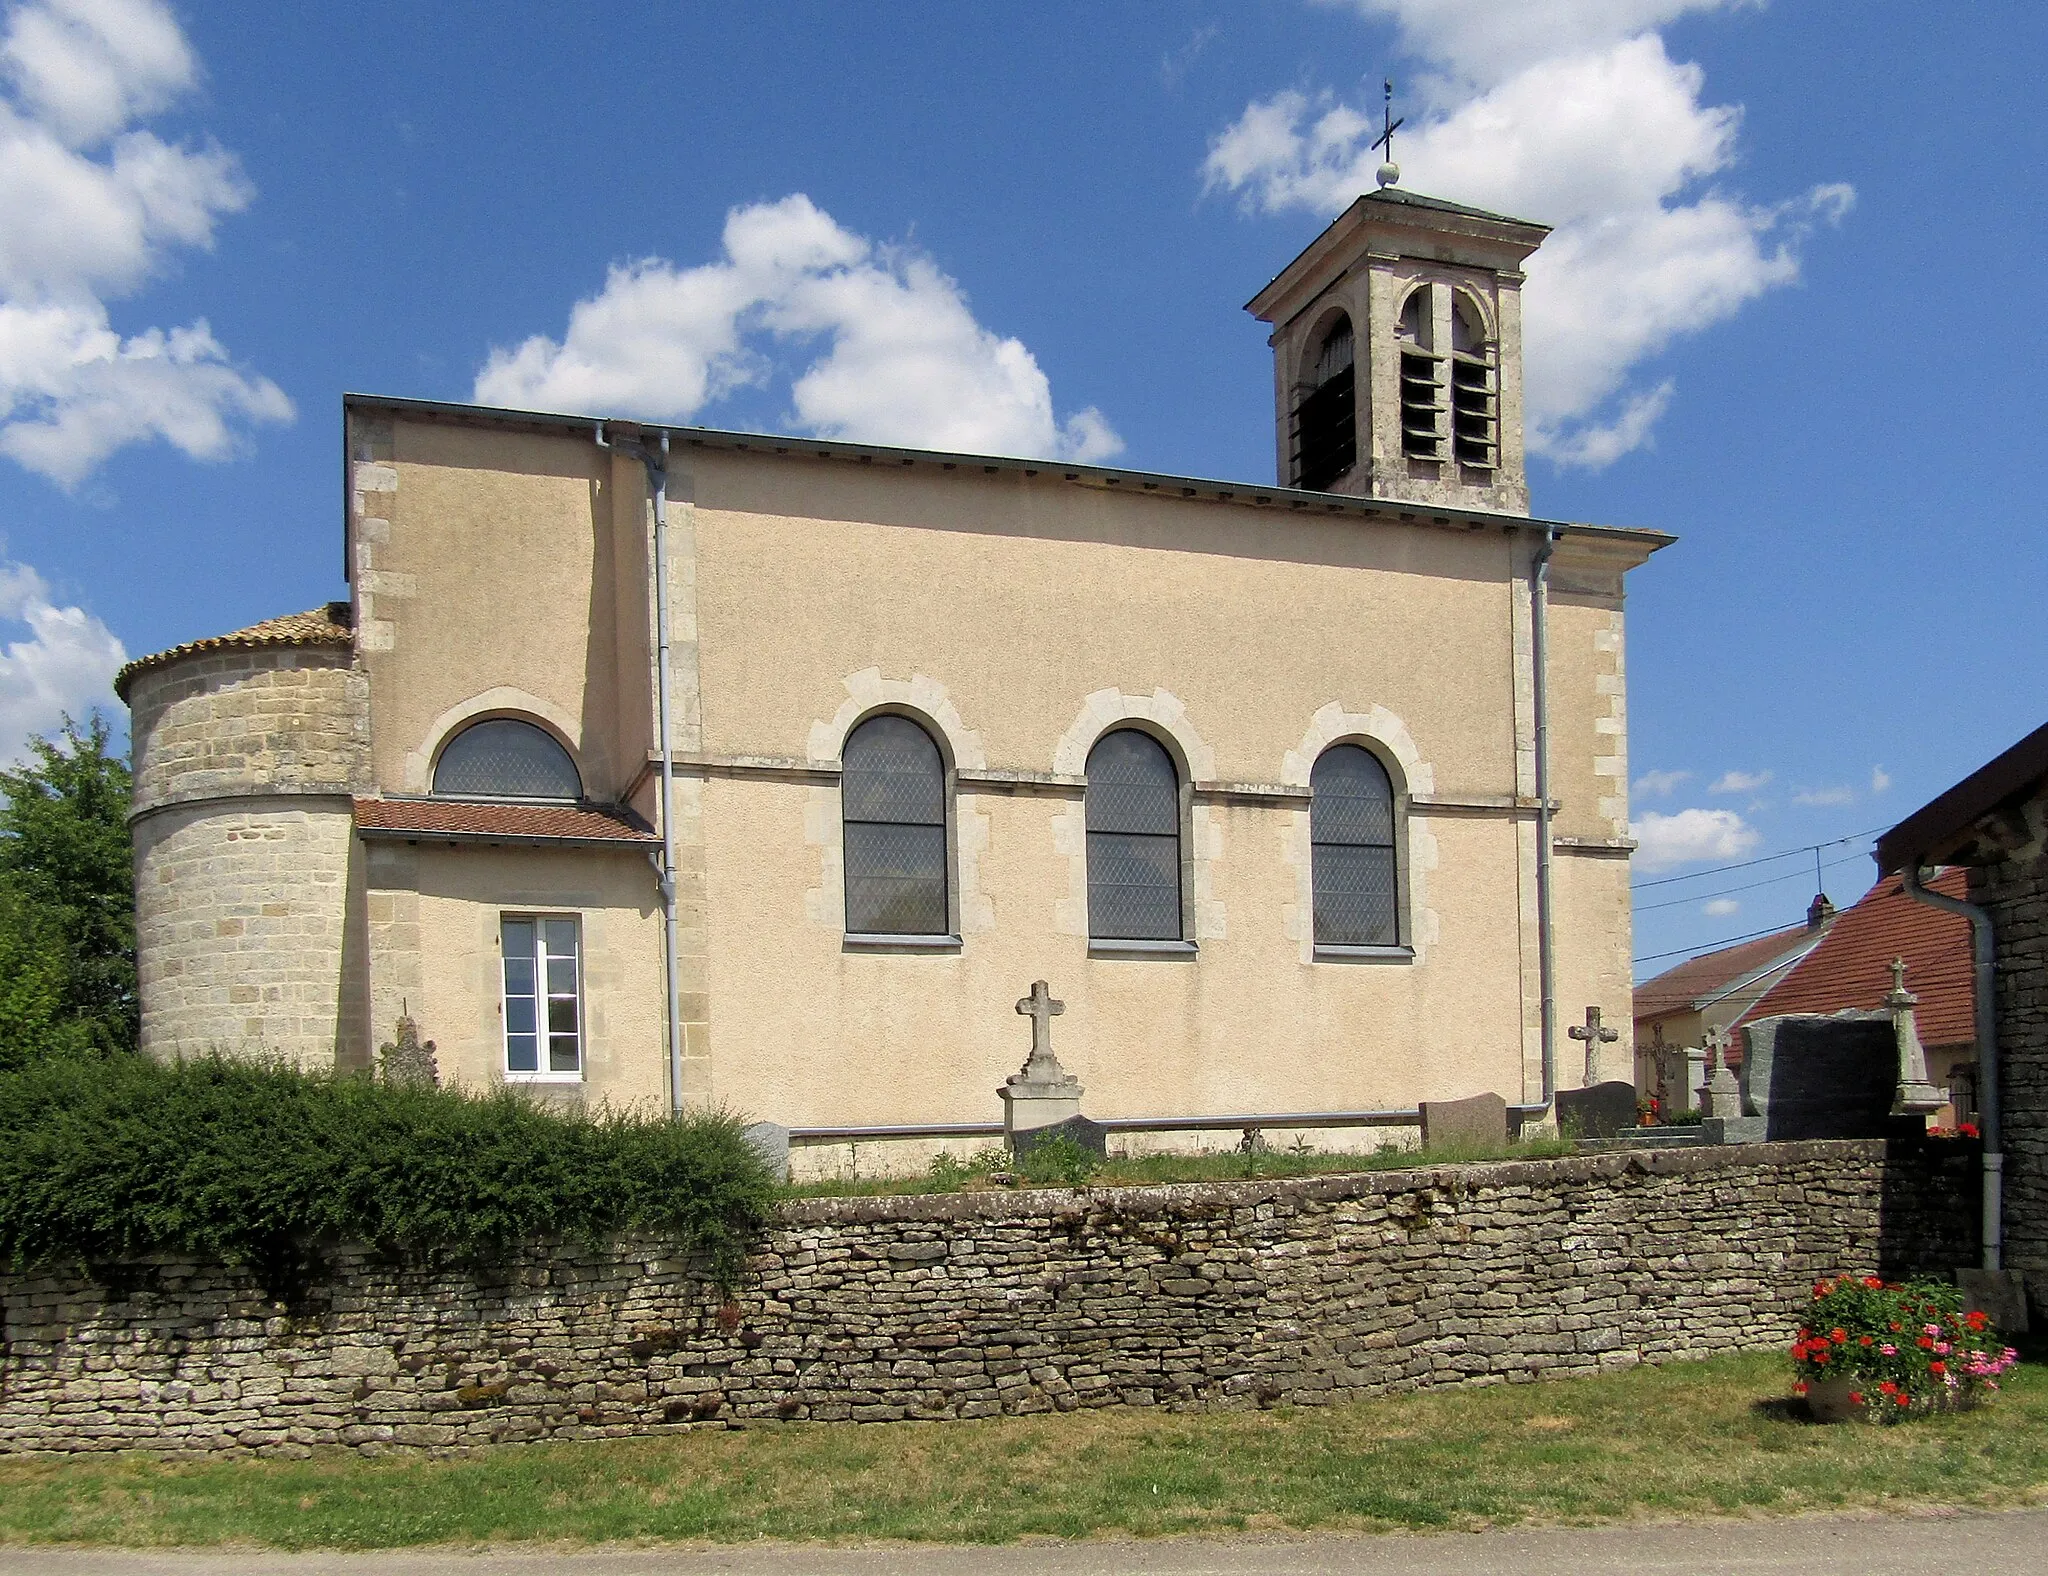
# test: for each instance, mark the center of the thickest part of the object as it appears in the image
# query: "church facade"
(1299, 795)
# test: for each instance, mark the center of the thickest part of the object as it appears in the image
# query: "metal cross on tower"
(1595, 1035)
(1390, 172)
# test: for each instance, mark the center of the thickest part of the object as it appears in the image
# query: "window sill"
(885, 943)
(1364, 954)
(543, 1078)
(1100, 948)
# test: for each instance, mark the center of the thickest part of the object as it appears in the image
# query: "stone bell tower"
(1397, 354)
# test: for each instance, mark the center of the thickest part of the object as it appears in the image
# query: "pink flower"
(1889, 1350)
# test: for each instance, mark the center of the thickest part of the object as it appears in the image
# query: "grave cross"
(1717, 1048)
(1041, 1009)
(1594, 1035)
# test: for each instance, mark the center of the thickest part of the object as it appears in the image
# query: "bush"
(1909, 1348)
(261, 1166)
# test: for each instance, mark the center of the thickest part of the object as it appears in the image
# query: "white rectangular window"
(543, 997)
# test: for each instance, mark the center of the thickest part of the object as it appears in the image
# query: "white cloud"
(1720, 907)
(1880, 779)
(65, 666)
(1571, 112)
(1738, 782)
(900, 357)
(1825, 796)
(1690, 837)
(1660, 785)
(90, 208)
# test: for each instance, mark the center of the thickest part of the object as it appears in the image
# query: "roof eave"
(1937, 832)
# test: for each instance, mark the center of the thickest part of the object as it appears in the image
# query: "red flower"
(1893, 1328)
(1864, 1339)
(1927, 1341)
(1873, 1283)
(1937, 1367)
(1855, 1397)
(1889, 1388)
(1799, 1388)
(1967, 1129)
(1838, 1335)
(1974, 1319)
(1820, 1356)
(1903, 1399)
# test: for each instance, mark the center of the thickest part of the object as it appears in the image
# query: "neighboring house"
(1849, 970)
(1247, 772)
(1684, 1004)
(1994, 824)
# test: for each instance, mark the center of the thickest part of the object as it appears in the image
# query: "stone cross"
(1041, 1009)
(1595, 1036)
(1714, 1062)
(1914, 1096)
(1717, 1047)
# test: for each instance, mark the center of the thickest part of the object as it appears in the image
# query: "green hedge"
(261, 1166)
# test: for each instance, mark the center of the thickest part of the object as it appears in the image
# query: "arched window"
(1421, 377)
(504, 758)
(892, 792)
(1474, 411)
(1351, 837)
(1133, 839)
(1325, 425)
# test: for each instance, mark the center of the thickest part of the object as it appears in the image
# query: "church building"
(664, 766)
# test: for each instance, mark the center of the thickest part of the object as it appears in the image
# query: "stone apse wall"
(978, 1304)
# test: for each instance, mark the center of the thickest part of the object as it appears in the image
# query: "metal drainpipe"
(1984, 958)
(657, 476)
(1539, 652)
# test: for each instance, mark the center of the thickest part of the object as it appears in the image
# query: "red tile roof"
(331, 624)
(1851, 968)
(1676, 989)
(466, 821)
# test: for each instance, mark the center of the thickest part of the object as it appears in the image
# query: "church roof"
(1685, 986)
(331, 624)
(467, 821)
(1406, 199)
(1851, 968)
(1148, 484)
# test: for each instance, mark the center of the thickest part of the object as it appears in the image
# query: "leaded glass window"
(504, 758)
(543, 997)
(1351, 837)
(1133, 839)
(892, 789)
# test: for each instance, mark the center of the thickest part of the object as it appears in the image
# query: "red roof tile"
(330, 624)
(1676, 989)
(466, 821)
(1851, 968)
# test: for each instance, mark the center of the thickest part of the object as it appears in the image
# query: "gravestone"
(1599, 1112)
(1478, 1123)
(408, 1061)
(1041, 1093)
(1822, 1077)
(1092, 1137)
(769, 1140)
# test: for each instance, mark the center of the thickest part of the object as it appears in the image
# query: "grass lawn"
(1690, 1439)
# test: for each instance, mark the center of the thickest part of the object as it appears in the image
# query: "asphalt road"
(2014, 1543)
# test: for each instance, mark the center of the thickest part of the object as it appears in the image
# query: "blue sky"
(1789, 314)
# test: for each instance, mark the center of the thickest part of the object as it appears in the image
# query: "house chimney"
(1819, 911)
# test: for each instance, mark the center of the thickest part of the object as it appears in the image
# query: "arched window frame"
(1184, 943)
(1402, 948)
(469, 725)
(1325, 409)
(947, 940)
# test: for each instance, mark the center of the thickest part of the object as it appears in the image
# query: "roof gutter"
(1984, 958)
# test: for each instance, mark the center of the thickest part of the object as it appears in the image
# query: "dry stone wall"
(978, 1304)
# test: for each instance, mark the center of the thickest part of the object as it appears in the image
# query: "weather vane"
(1390, 172)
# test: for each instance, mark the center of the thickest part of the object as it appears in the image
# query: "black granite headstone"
(1090, 1136)
(1822, 1077)
(1599, 1112)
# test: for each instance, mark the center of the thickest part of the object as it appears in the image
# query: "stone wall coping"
(1165, 1198)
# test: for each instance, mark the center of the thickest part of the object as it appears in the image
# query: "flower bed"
(1887, 1352)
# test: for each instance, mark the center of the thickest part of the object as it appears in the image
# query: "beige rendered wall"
(433, 914)
(1022, 616)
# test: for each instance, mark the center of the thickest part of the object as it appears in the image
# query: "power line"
(1744, 864)
(1708, 946)
(1748, 886)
